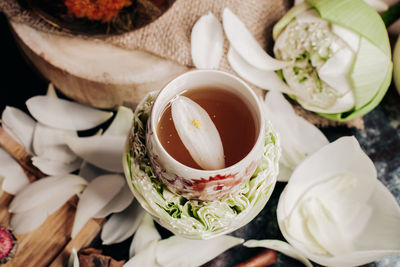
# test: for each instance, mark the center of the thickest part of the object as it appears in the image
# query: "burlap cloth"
(169, 36)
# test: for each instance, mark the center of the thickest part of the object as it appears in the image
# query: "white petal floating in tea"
(246, 46)
(198, 133)
(207, 42)
(336, 212)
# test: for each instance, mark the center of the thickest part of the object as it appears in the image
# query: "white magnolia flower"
(336, 212)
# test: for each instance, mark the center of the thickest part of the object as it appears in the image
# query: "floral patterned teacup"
(203, 184)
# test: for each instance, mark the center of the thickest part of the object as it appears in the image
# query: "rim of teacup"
(259, 110)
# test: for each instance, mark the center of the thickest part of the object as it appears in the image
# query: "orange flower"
(103, 10)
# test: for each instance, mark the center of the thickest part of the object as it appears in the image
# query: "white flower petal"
(122, 122)
(147, 257)
(336, 69)
(19, 125)
(54, 167)
(196, 252)
(336, 212)
(265, 79)
(51, 92)
(145, 234)
(95, 197)
(14, 177)
(120, 202)
(103, 151)
(342, 104)
(29, 220)
(49, 143)
(73, 259)
(122, 225)
(89, 171)
(207, 42)
(349, 37)
(246, 46)
(299, 138)
(280, 246)
(198, 133)
(63, 114)
(43, 190)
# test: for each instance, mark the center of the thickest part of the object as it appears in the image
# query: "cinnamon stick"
(18, 152)
(265, 258)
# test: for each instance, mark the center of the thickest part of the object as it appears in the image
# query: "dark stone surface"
(380, 140)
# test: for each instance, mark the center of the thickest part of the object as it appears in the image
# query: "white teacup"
(203, 184)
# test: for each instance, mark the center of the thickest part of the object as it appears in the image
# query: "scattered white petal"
(29, 220)
(198, 133)
(265, 79)
(122, 225)
(89, 171)
(19, 125)
(280, 246)
(335, 211)
(145, 234)
(63, 114)
(147, 257)
(95, 197)
(120, 202)
(43, 190)
(196, 252)
(207, 42)
(122, 122)
(73, 259)
(51, 92)
(299, 138)
(378, 5)
(14, 177)
(49, 143)
(246, 46)
(103, 151)
(54, 167)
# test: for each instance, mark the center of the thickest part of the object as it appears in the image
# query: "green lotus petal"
(369, 106)
(367, 75)
(357, 16)
(289, 16)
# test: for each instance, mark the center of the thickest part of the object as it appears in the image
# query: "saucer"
(193, 218)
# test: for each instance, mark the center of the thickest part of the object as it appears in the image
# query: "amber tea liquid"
(231, 116)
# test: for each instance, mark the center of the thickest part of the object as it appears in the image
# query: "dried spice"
(104, 10)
